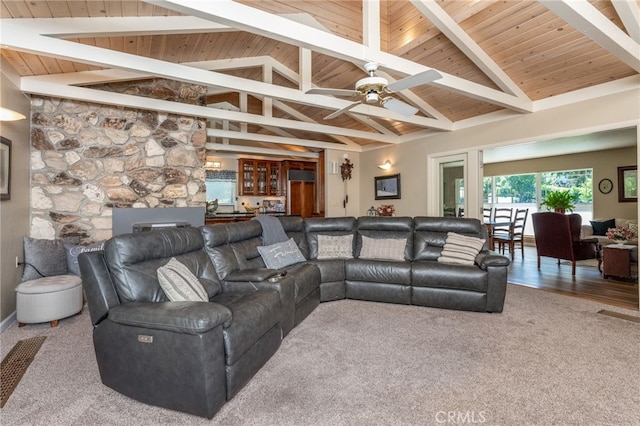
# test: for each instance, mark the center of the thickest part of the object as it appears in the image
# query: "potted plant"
(560, 201)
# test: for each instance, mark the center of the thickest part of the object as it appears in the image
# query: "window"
(528, 190)
(221, 184)
(579, 182)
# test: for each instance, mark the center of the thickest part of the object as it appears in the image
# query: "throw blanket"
(272, 230)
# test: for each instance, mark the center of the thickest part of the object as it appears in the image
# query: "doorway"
(452, 188)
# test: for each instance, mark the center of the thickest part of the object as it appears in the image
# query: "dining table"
(492, 224)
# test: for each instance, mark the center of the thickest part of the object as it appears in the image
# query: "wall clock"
(605, 186)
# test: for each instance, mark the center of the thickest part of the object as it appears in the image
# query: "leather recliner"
(332, 271)
(478, 287)
(233, 249)
(186, 356)
(381, 281)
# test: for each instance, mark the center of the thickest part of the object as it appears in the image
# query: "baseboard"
(7, 322)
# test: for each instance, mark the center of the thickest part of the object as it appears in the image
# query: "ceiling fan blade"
(399, 107)
(342, 111)
(414, 80)
(332, 92)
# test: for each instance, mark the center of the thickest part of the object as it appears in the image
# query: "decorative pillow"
(383, 249)
(600, 228)
(633, 227)
(72, 252)
(335, 246)
(179, 283)
(280, 255)
(43, 258)
(460, 249)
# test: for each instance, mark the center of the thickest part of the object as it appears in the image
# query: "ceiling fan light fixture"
(371, 98)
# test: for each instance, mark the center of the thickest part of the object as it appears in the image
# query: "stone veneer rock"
(88, 158)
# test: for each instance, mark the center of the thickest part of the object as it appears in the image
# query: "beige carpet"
(548, 359)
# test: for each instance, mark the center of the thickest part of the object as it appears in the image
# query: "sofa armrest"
(589, 240)
(486, 258)
(179, 317)
(586, 231)
(284, 285)
(254, 274)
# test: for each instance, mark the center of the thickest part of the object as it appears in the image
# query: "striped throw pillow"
(179, 283)
(460, 249)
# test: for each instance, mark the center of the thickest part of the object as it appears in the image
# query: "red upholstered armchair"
(558, 236)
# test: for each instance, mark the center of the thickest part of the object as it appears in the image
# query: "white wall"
(337, 189)
(14, 213)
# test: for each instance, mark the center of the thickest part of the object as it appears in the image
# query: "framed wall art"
(5, 168)
(387, 187)
(628, 184)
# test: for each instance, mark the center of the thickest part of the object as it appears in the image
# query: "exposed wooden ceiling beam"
(591, 22)
(629, 13)
(258, 137)
(258, 150)
(121, 26)
(468, 46)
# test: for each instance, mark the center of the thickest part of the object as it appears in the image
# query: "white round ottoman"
(48, 299)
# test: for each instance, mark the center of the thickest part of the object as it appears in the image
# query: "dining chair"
(516, 234)
(486, 214)
(502, 220)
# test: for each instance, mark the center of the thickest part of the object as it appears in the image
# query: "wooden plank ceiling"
(494, 55)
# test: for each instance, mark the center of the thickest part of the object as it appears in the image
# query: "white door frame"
(472, 175)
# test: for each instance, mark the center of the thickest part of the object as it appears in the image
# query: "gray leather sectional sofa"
(194, 356)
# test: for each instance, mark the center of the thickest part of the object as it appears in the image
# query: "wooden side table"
(617, 261)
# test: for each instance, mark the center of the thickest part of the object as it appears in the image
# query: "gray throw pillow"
(280, 255)
(179, 283)
(46, 257)
(335, 246)
(72, 251)
(383, 248)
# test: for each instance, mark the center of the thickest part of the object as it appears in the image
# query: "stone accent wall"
(87, 159)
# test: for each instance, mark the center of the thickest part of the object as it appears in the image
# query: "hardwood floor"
(588, 282)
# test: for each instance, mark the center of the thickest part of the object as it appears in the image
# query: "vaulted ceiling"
(258, 59)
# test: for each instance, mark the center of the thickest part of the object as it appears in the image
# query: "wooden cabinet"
(302, 198)
(259, 177)
(299, 181)
(617, 261)
(301, 184)
(274, 177)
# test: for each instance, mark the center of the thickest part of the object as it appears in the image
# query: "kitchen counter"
(235, 217)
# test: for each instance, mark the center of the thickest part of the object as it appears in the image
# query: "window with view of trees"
(528, 190)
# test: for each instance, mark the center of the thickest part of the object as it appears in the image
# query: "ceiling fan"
(376, 89)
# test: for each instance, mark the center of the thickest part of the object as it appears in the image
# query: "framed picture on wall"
(387, 187)
(628, 184)
(5, 168)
